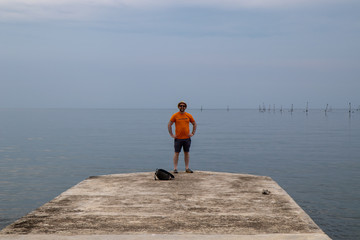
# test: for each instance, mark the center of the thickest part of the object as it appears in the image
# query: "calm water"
(315, 158)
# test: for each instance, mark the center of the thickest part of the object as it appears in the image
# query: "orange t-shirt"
(182, 121)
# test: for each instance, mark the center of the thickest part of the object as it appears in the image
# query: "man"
(182, 137)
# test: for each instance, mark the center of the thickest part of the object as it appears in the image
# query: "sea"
(314, 155)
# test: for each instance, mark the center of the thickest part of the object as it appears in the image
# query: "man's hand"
(190, 135)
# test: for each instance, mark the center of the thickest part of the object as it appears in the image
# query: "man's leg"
(176, 160)
(187, 159)
(187, 144)
(177, 148)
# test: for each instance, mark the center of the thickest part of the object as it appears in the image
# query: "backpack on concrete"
(161, 174)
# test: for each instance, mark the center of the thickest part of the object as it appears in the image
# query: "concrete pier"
(202, 205)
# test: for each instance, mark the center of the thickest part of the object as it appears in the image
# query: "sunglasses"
(182, 106)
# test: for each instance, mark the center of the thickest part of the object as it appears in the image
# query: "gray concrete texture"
(201, 205)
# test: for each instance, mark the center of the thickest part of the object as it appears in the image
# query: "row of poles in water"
(327, 108)
(263, 108)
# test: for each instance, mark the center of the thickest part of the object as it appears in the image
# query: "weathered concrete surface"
(202, 205)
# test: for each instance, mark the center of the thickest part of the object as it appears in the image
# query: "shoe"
(189, 170)
(175, 171)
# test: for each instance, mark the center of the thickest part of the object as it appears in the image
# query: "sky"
(155, 53)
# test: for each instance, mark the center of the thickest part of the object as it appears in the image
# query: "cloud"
(84, 9)
(43, 9)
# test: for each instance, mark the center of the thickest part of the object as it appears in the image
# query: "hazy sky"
(154, 53)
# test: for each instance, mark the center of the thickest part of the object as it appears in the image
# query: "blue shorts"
(182, 143)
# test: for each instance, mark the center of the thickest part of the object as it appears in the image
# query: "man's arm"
(170, 129)
(194, 129)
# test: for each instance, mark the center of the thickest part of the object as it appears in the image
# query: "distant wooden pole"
(349, 107)
(326, 109)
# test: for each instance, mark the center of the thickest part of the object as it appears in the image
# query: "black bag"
(162, 174)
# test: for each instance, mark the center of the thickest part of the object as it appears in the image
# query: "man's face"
(182, 107)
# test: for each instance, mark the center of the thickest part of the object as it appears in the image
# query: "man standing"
(182, 137)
